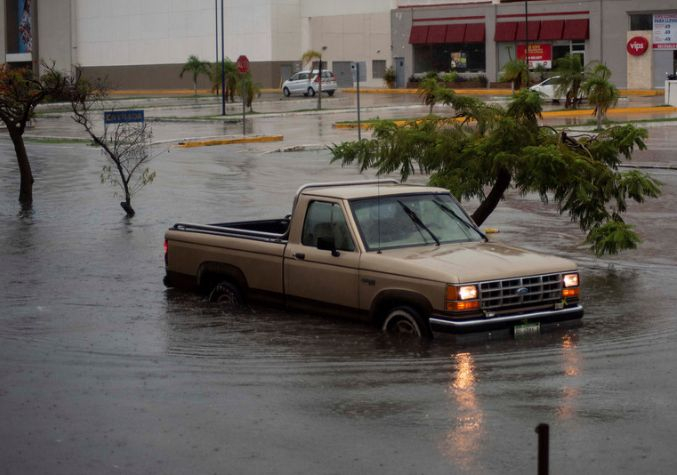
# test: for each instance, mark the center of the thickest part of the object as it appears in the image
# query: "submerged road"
(103, 370)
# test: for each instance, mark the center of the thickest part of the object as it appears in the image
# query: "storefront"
(427, 37)
(456, 46)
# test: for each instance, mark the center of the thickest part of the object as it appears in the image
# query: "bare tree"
(125, 145)
(20, 94)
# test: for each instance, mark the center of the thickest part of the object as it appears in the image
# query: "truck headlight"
(571, 286)
(462, 298)
(570, 280)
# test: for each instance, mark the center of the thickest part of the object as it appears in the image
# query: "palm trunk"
(493, 198)
(26, 184)
(600, 117)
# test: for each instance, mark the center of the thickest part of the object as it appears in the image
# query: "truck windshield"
(385, 224)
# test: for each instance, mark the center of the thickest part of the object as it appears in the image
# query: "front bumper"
(441, 323)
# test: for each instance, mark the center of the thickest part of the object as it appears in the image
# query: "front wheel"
(226, 293)
(311, 92)
(286, 92)
(407, 322)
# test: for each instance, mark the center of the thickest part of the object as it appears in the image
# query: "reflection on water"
(462, 441)
(571, 391)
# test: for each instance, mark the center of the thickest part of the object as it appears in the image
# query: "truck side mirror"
(327, 244)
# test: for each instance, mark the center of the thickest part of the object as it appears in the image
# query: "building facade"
(143, 45)
(480, 37)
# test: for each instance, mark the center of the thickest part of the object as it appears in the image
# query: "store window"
(561, 49)
(378, 68)
(459, 57)
(641, 22)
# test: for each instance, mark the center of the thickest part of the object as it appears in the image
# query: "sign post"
(242, 64)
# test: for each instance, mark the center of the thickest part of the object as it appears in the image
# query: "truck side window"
(326, 220)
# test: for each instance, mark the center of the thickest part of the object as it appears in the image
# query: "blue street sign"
(123, 117)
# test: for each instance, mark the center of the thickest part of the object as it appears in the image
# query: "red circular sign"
(242, 64)
(637, 45)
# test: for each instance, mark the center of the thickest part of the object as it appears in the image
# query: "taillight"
(317, 79)
(166, 248)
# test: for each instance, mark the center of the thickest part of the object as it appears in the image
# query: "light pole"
(526, 33)
(223, 67)
(319, 97)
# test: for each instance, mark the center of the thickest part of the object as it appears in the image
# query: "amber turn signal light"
(575, 292)
(460, 306)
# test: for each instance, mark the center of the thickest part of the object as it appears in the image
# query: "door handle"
(299, 255)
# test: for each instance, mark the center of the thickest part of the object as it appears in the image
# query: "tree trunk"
(491, 201)
(26, 186)
(600, 117)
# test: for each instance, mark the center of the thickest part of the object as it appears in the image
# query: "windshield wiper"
(414, 217)
(454, 215)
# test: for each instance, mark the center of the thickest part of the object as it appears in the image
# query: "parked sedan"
(548, 89)
(308, 83)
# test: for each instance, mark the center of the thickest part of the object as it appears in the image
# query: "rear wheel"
(311, 91)
(330, 93)
(226, 293)
(407, 322)
(286, 92)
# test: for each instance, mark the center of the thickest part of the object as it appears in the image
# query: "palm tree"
(600, 92)
(428, 91)
(195, 66)
(308, 57)
(571, 75)
(248, 89)
(517, 72)
(231, 78)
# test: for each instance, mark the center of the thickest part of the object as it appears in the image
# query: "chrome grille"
(504, 293)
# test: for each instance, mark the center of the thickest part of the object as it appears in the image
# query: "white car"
(547, 88)
(308, 83)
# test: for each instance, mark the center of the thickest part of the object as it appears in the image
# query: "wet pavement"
(103, 370)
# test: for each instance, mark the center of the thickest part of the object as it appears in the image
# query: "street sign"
(123, 117)
(242, 64)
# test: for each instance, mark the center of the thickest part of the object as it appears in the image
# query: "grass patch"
(56, 140)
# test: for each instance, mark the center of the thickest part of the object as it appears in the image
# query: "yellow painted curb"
(470, 92)
(546, 114)
(207, 143)
(619, 110)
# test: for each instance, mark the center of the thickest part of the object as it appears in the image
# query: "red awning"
(455, 33)
(576, 30)
(551, 30)
(418, 35)
(534, 28)
(505, 31)
(437, 34)
(474, 33)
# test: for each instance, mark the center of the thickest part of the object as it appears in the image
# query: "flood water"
(103, 370)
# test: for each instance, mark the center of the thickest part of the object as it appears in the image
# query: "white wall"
(317, 8)
(129, 32)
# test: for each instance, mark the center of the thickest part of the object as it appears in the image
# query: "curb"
(490, 92)
(545, 115)
(228, 141)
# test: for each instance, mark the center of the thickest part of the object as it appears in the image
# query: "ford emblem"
(522, 291)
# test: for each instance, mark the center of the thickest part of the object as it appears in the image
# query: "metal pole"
(319, 97)
(526, 32)
(216, 30)
(223, 66)
(359, 122)
(244, 100)
(543, 431)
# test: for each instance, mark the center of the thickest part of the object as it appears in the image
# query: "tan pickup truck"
(407, 258)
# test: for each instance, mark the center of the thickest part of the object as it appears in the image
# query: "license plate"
(527, 329)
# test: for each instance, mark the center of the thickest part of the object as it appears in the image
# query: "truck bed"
(266, 230)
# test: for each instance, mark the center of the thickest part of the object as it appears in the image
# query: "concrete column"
(640, 68)
(3, 32)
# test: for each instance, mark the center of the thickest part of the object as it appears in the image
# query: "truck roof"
(370, 190)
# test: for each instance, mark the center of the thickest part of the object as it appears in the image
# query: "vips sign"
(540, 54)
(665, 31)
(637, 46)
